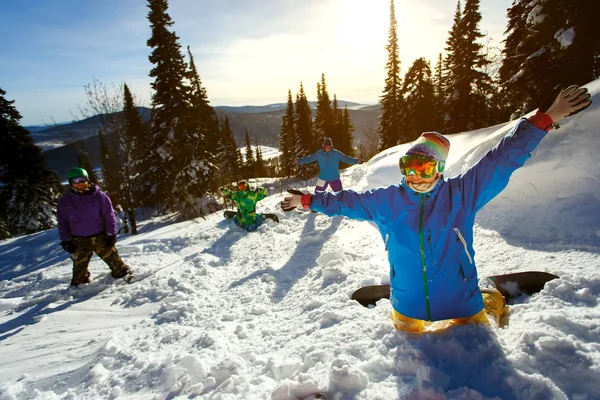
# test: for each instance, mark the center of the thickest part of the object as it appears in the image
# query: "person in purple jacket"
(87, 225)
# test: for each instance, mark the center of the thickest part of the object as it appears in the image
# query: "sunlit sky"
(248, 52)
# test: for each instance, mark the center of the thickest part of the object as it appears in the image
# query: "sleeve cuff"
(306, 199)
(541, 121)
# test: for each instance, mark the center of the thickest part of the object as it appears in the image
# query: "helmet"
(76, 173)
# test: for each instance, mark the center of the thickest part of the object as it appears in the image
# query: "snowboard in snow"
(510, 285)
(231, 214)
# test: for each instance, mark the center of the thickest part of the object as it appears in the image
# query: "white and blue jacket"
(429, 236)
(328, 163)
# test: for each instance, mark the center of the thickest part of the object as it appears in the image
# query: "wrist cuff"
(541, 121)
(306, 199)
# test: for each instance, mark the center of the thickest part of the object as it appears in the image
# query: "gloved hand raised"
(110, 241)
(568, 102)
(68, 246)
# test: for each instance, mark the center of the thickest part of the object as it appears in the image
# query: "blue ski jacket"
(328, 163)
(429, 236)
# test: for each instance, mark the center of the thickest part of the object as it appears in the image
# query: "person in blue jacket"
(427, 221)
(329, 159)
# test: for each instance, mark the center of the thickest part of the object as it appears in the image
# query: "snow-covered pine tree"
(549, 43)
(170, 105)
(391, 100)
(29, 191)
(180, 165)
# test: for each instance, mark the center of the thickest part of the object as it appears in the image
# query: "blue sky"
(246, 51)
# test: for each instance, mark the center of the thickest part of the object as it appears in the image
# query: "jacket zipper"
(422, 248)
(464, 242)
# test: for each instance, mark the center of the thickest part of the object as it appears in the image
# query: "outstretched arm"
(227, 193)
(346, 202)
(308, 159)
(347, 159)
(491, 174)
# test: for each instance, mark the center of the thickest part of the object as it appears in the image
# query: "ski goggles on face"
(421, 166)
(327, 148)
(79, 179)
(241, 186)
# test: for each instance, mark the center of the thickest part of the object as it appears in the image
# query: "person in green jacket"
(245, 200)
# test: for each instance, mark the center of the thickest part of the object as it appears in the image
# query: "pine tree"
(287, 140)
(206, 125)
(229, 156)
(170, 103)
(337, 126)
(391, 100)
(133, 141)
(468, 83)
(324, 117)
(305, 142)
(549, 43)
(111, 167)
(4, 232)
(419, 100)
(250, 164)
(347, 133)
(83, 161)
(29, 191)
(439, 94)
(260, 168)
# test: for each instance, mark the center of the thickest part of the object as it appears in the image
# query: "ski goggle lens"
(422, 166)
(241, 186)
(80, 179)
(326, 147)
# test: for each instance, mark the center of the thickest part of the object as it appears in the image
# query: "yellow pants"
(494, 307)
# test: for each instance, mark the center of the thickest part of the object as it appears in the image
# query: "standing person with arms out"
(328, 159)
(87, 225)
(245, 200)
(427, 221)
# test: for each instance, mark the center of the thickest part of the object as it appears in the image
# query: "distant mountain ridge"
(262, 122)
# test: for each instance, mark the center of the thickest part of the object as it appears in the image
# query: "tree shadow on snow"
(37, 307)
(31, 253)
(222, 246)
(304, 258)
(456, 363)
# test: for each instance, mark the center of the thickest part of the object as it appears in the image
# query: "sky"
(219, 313)
(248, 52)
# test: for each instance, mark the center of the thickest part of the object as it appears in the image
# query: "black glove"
(110, 241)
(68, 246)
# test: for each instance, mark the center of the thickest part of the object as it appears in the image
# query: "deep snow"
(222, 314)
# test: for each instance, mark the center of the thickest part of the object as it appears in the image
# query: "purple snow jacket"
(85, 214)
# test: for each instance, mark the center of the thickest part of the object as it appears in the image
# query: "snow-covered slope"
(223, 314)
